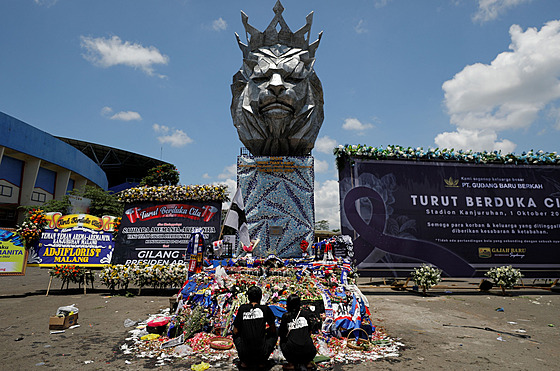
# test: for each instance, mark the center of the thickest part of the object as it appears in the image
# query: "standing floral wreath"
(32, 227)
(426, 277)
(505, 276)
(141, 274)
(71, 273)
(116, 276)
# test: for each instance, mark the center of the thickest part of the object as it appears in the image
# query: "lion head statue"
(277, 104)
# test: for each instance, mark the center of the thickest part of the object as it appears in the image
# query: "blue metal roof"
(24, 138)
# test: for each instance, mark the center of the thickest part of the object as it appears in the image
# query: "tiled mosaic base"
(274, 197)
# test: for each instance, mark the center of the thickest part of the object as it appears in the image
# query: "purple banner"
(463, 218)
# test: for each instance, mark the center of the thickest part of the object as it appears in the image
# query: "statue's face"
(277, 102)
(280, 82)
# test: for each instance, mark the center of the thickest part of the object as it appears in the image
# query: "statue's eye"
(260, 79)
(293, 80)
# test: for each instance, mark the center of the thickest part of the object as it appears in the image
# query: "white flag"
(235, 218)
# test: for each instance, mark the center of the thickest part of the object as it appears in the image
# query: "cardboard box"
(62, 323)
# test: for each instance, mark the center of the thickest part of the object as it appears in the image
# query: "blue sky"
(153, 77)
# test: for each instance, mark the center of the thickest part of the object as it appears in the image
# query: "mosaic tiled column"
(279, 204)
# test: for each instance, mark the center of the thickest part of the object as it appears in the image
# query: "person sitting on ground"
(253, 339)
(295, 335)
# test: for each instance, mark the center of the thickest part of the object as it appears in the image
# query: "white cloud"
(489, 10)
(381, 3)
(122, 116)
(105, 111)
(361, 27)
(321, 166)
(205, 176)
(113, 51)
(483, 100)
(325, 145)
(229, 172)
(47, 3)
(477, 140)
(126, 116)
(327, 203)
(176, 138)
(231, 188)
(162, 129)
(219, 24)
(355, 124)
(554, 114)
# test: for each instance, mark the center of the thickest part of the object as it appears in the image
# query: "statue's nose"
(276, 84)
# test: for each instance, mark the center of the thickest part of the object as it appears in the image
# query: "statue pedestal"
(279, 203)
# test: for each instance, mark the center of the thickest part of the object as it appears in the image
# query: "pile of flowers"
(71, 274)
(505, 276)
(208, 302)
(396, 152)
(161, 276)
(426, 276)
(208, 192)
(198, 348)
(31, 228)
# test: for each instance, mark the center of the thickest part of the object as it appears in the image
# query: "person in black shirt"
(295, 335)
(253, 340)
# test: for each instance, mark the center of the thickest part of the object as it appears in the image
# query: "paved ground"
(451, 329)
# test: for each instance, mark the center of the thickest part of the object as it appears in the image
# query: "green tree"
(56, 205)
(161, 175)
(322, 225)
(102, 202)
(53, 205)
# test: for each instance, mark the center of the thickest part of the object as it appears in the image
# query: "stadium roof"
(120, 166)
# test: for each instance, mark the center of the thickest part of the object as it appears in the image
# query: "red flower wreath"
(303, 245)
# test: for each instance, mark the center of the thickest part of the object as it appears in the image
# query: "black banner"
(158, 233)
(463, 218)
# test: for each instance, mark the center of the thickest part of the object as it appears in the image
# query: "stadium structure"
(36, 167)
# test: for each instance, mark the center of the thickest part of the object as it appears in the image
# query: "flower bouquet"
(303, 246)
(141, 274)
(426, 276)
(505, 276)
(116, 276)
(71, 273)
(32, 227)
